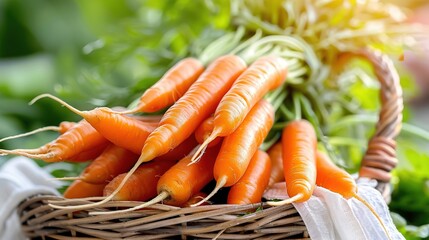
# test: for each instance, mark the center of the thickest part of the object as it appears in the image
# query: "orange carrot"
(88, 155)
(238, 148)
(299, 161)
(204, 130)
(61, 129)
(334, 178)
(148, 118)
(276, 157)
(112, 161)
(81, 189)
(265, 74)
(80, 138)
(251, 187)
(141, 186)
(337, 180)
(181, 119)
(170, 87)
(180, 151)
(122, 130)
(115, 160)
(183, 180)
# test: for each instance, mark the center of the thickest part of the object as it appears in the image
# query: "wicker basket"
(253, 221)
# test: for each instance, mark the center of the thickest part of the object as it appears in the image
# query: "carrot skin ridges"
(88, 155)
(81, 189)
(123, 131)
(299, 158)
(141, 186)
(63, 127)
(251, 187)
(266, 73)
(181, 119)
(334, 178)
(276, 157)
(238, 148)
(183, 180)
(180, 151)
(82, 137)
(110, 163)
(171, 86)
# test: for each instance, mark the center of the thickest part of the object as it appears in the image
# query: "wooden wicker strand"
(380, 157)
(252, 221)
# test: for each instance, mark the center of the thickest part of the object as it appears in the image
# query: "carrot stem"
(297, 106)
(287, 114)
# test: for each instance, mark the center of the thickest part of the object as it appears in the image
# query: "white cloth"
(20, 178)
(327, 215)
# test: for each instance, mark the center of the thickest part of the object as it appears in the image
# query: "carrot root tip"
(373, 212)
(286, 201)
(219, 185)
(200, 151)
(66, 178)
(53, 128)
(57, 99)
(163, 195)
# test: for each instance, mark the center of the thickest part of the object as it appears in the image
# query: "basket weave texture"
(252, 221)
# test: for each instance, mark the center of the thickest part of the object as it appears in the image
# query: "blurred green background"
(106, 52)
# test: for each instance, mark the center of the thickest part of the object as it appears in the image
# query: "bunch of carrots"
(217, 117)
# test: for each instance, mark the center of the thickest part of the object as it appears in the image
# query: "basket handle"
(380, 157)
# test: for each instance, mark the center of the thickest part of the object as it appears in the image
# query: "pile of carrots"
(215, 121)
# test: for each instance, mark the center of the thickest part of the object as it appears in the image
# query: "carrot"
(170, 87)
(113, 161)
(299, 161)
(180, 151)
(251, 187)
(141, 186)
(123, 131)
(337, 180)
(181, 119)
(116, 160)
(238, 148)
(81, 189)
(80, 138)
(276, 157)
(88, 155)
(204, 130)
(61, 129)
(183, 180)
(265, 74)
(148, 118)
